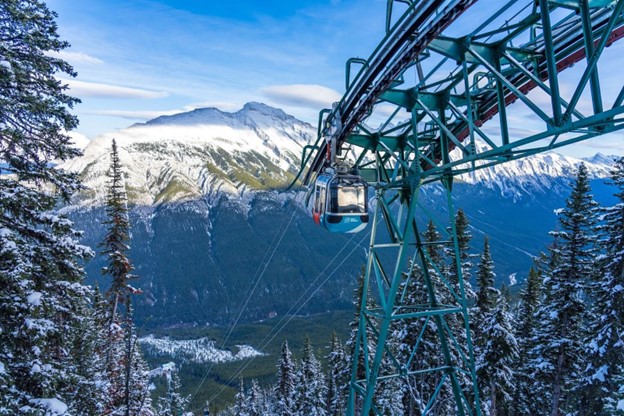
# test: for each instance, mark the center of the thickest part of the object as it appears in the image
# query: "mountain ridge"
(207, 215)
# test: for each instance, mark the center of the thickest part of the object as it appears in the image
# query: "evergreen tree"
(497, 351)
(173, 404)
(285, 385)
(558, 351)
(530, 302)
(337, 378)
(311, 387)
(255, 400)
(486, 294)
(463, 241)
(600, 386)
(240, 405)
(42, 296)
(482, 319)
(137, 399)
(114, 245)
(126, 370)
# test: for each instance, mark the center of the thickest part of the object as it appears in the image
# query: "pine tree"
(126, 370)
(486, 294)
(285, 385)
(173, 404)
(602, 377)
(137, 399)
(482, 322)
(42, 295)
(558, 352)
(311, 386)
(240, 405)
(118, 233)
(498, 349)
(463, 241)
(337, 378)
(530, 302)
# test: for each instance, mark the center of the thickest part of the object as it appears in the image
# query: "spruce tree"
(558, 353)
(311, 389)
(285, 384)
(600, 387)
(486, 294)
(337, 378)
(42, 295)
(240, 400)
(174, 403)
(127, 380)
(114, 245)
(530, 302)
(462, 227)
(498, 349)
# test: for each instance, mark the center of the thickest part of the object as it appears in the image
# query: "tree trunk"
(557, 385)
(493, 398)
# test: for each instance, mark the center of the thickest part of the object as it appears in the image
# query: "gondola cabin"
(340, 202)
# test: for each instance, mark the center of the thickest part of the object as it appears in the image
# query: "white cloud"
(79, 140)
(135, 114)
(83, 89)
(301, 95)
(77, 57)
(221, 105)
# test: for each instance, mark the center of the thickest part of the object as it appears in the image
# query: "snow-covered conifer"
(486, 294)
(285, 384)
(41, 292)
(530, 301)
(558, 352)
(600, 387)
(496, 353)
(173, 403)
(114, 245)
(311, 389)
(337, 378)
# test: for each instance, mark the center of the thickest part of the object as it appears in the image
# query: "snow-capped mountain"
(200, 154)
(534, 174)
(208, 223)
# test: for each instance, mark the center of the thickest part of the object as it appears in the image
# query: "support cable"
(253, 289)
(273, 333)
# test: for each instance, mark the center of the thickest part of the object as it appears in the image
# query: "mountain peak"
(205, 115)
(263, 109)
(601, 159)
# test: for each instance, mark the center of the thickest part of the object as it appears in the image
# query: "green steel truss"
(446, 90)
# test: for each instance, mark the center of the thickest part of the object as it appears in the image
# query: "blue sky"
(138, 59)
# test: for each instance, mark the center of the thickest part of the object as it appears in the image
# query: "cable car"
(340, 202)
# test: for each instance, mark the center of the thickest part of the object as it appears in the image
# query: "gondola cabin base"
(340, 202)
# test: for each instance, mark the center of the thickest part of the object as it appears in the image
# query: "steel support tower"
(447, 86)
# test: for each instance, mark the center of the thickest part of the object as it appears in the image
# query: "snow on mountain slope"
(198, 154)
(200, 350)
(534, 173)
(207, 153)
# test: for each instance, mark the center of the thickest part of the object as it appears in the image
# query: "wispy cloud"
(135, 114)
(301, 95)
(77, 57)
(93, 89)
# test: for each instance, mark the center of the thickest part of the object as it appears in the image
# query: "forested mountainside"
(209, 219)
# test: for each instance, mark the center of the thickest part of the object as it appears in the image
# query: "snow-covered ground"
(200, 350)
